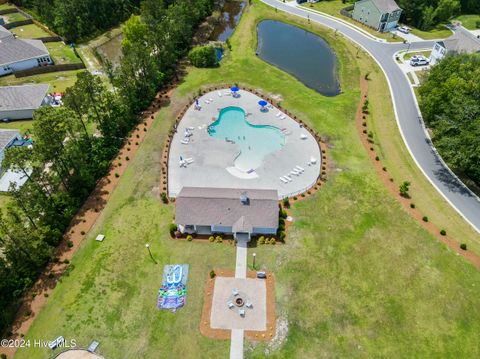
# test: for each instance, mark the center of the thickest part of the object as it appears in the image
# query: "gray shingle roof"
(222, 206)
(463, 41)
(13, 49)
(22, 97)
(386, 5)
(6, 136)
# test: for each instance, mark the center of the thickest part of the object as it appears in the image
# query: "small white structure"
(19, 102)
(21, 54)
(463, 41)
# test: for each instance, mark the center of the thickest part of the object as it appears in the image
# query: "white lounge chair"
(303, 136)
(219, 94)
(283, 117)
(297, 172)
(301, 169)
(242, 312)
(190, 128)
(185, 141)
(294, 173)
(189, 160)
(313, 160)
(235, 292)
(249, 304)
(210, 99)
(230, 305)
(207, 102)
(278, 114)
(288, 178)
(283, 180)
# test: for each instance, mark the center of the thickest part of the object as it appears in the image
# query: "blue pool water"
(255, 141)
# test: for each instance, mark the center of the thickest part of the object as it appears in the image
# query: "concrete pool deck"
(212, 162)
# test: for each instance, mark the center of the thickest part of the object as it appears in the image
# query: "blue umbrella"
(235, 89)
(262, 103)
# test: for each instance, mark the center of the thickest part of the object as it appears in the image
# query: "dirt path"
(81, 224)
(394, 187)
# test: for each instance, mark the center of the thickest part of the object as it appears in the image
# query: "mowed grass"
(15, 16)
(22, 126)
(469, 21)
(6, 6)
(30, 31)
(62, 53)
(439, 32)
(58, 81)
(358, 277)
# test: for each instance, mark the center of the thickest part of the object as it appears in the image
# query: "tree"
(447, 9)
(404, 188)
(203, 56)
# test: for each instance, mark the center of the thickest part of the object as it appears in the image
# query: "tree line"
(450, 104)
(75, 144)
(80, 19)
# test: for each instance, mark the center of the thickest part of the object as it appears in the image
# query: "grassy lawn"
(16, 16)
(358, 277)
(333, 8)
(61, 53)
(22, 126)
(409, 55)
(6, 6)
(58, 81)
(30, 31)
(439, 32)
(469, 21)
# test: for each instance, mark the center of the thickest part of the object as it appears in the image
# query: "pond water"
(231, 13)
(255, 141)
(301, 53)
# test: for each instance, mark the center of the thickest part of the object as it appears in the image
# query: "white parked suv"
(404, 29)
(419, 60)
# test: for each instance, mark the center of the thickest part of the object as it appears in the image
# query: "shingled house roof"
(25, 97)
(386, 6)
(241, 209)
(13, 49)
(463, 41)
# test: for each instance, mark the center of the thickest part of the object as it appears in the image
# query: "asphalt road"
(466, 203)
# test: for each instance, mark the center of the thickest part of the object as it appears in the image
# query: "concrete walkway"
(241, 264)
(236, 344)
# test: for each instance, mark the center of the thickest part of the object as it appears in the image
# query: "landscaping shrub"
(412, 205)
(281, 236)
(443, 232)
(218, 239)
(463, 246)
(403, 189)
(82, 233)
(286, 202)
(211, 239)
(283, 214)
(261, 240)
(212, 274)
(172, 229)
(69, 244)
(164, 197)
(51, 275)
(189, 238)
(273, 240)
(425, 218)
(203, 56)
(117, 175)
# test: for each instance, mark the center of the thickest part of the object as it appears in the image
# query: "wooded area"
(67, 159)
(450, 104)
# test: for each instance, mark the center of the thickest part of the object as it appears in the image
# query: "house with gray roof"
(19, 102)
(462, 42)
(238, 212)
(8, 139)
(21, 54)
(382, 15)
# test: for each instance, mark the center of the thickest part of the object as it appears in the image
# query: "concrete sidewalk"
(236, 344)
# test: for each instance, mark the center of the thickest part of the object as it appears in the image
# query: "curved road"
(466, 203)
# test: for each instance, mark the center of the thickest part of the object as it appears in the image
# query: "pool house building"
(238, 212)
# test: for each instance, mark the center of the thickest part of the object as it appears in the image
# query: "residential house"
(21, 54)
(19, 102)
(463, 41)
(382, 15)
(238, 212)
(11, 138)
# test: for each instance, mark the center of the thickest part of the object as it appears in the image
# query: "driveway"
(407, 112)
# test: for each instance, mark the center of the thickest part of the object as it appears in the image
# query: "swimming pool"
(255, 141)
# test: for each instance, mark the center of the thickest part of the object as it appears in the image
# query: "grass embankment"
(6, 6)
(14, 16)
(357, 276)
(61, 53)
(469, 21)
